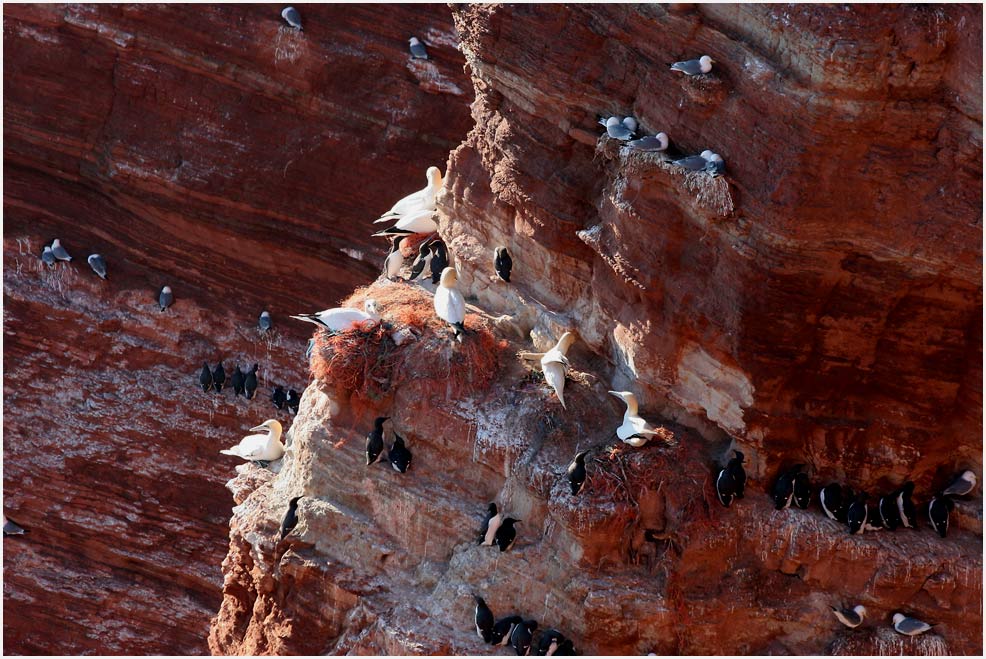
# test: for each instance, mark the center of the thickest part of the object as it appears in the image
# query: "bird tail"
(309, 318)
(387, 233)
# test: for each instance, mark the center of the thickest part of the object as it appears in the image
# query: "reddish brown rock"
(820, 303)
(219, 151)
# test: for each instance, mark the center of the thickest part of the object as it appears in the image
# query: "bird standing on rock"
(422, 261)
(236, 380)
(418, 50)
(694, 67)
(165, 298)
(265, 322)
(48, 256)
(908, 514)
(484, 620)
(802, 490)
(909, 626)
(278, 397)
(576, 473)
(292, 17)
(506, 534)
(938, 509)
(521, 637)
(491, 523)
(290, 517)
(250, 383)
(502, 263)
(858, 514)
(98, 265)
(731, 480)
(449, 303)
(374, 441)
(439, 260)
(205, 378)
(398, 455)
(395, 260)
(60, 252)
(219, 377)
(502, 629)
(783, 491)
(294, 400)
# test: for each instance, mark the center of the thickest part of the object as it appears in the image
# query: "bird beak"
(259, 428)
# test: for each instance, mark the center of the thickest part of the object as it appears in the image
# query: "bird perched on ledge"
(634, 430)
(694, 67)
(342, 318)
(260, 448)
(449, 303)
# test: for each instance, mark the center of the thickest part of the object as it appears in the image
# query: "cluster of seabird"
(292, 17)
(52, 253)
(853, 618)
(519, 633)
(398, 455)
(290, 400)
(892, 510)
(625, 128)
(243, 383)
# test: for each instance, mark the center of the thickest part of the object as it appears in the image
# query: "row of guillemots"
(415, 215)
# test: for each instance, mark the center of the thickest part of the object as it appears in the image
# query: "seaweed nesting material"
(368, 363)
(620, 472)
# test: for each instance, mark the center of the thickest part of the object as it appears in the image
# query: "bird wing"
(409, 204)
(554, 356)
(247, 447)
(691, 67)
(342, 318)
(418, 222)
(912, 626)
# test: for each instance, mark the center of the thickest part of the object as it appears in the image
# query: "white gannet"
(554, 364)
(634, 430)
(260, 448)
(422, 221)
(342, 318)
(694, 67)
(449, 303)
(423, 199)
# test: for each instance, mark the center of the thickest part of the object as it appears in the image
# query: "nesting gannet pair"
(340, 319)
(415, 212)
(260, 448)
(554, 364)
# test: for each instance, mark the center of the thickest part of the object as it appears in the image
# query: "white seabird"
(851, 618)
(342, 318)
(423, 199)
(260, 448)
(291, 15)
(449, 303)
(634, 430)
(657, 142)
(418, 50)
(694, 67)
(554, 365)
(909, 626)
(617, 130)
(962, 485)
(98, 265)
(60, 252)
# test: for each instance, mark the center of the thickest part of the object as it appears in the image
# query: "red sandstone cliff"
(821, 303)
(217, 150)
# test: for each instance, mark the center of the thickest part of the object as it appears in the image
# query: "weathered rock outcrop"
(217, 150)
(820, 303)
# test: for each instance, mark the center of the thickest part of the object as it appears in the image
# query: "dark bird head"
(423, 249)
(294, 501)
(862, 497)
(491, 509)
(947, 502)
(580, 457)
(255, 367)
(908, 489)
(739, 456)
(378, 422)
(510, 521)
(531, 625)
(479, 600)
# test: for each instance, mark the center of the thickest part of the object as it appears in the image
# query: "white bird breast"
(449, 305)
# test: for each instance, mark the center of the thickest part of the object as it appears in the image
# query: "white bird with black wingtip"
(634, 430)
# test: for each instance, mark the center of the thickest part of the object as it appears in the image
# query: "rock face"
(820, 303)
(219, 151)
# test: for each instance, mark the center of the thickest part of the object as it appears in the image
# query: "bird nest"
(621, 472)
(367, 362)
